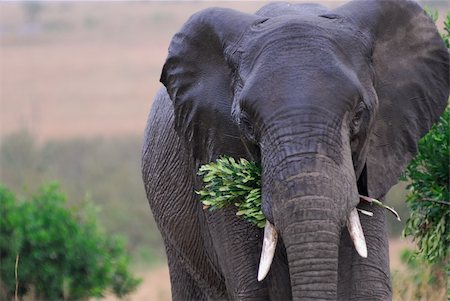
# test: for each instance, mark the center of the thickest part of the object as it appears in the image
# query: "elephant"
(331, 103)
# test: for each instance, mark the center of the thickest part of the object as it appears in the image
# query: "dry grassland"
(90, 69)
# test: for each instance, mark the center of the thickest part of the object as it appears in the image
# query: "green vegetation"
(228, 183)
(429, 204)
(60, 253)
(429, 193)
(104, 171)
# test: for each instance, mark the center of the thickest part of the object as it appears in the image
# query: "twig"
(378, 203)
(17, 278)
(439, 202)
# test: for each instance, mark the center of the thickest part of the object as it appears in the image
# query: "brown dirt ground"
(155, 287)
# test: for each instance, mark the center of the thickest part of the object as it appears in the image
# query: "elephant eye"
(247, 127)
(357, 118)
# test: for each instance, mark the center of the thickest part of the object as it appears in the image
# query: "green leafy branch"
(231, 183)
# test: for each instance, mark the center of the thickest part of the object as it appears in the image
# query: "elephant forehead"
(306, 40)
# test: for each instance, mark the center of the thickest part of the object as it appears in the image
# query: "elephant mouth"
(271, 238)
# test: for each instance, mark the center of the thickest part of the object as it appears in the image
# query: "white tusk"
(356, 233)
(268, 250)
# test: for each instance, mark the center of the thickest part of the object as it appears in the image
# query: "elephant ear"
(198, 76)
(411, 80)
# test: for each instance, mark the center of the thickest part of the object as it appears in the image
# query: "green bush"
(63, 254)
(107, 170)
(429, 193)
(429, 204)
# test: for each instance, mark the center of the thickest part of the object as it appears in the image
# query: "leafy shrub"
(429, 193)
(106, 170)
(63, 254)
(428, 223)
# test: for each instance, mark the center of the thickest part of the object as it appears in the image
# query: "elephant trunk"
(311, 236)
(308, 197)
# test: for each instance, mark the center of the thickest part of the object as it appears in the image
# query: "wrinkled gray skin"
(331, 103)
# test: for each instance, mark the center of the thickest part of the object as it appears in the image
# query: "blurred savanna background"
(76, 84)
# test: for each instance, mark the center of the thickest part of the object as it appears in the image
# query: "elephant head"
(332, 104)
